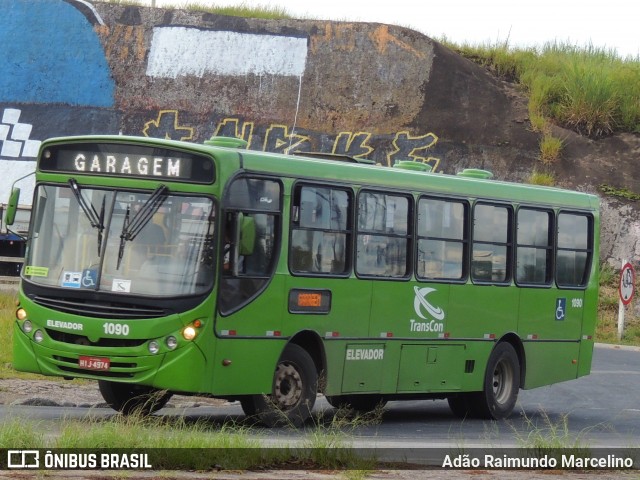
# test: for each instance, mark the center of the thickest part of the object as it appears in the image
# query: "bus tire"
(128, 398)
(360, 403)
(295, 383)
(248, 406)
(501, 384)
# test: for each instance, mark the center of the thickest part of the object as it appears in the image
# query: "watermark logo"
(23, 459)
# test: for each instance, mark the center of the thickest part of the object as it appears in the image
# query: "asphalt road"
(599, 410)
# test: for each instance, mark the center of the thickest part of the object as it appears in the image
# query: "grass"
(246, 10)
(587, 89)
(542, 178)
(619, 192)
(550, 149)
(179, 443)
(7, 320)
(550, 438)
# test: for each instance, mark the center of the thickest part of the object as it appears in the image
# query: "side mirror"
(12, 207)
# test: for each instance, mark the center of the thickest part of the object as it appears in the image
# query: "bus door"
(250, 305)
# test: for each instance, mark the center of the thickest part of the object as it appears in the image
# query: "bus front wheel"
(293, 395)
(501, 384)
(129, 398)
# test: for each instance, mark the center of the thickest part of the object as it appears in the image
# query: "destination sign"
(132, 165)
(128, 161)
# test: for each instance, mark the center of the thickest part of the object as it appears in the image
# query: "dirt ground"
(73, 394)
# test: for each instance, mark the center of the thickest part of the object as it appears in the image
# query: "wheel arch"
(312, 343)
(515, 341)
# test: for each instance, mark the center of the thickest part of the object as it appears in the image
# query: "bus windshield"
(122, 242)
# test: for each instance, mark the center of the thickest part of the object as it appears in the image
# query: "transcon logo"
(421, 302)
(431, 315)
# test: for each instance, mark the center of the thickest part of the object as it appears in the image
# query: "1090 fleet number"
(116, 329)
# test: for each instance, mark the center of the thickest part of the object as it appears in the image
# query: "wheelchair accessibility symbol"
(89, 278)
(561, 308)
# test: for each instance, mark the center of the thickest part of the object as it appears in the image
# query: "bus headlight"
(21, 314)
(172, 342)
(38, 336)
(189, 333)
(27, 326)
(154, 347)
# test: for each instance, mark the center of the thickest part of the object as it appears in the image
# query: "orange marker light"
(309, 300)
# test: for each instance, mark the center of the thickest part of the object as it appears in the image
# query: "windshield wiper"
(131, 228)
(96, 220)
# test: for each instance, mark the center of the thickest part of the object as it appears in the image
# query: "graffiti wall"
(80, 67)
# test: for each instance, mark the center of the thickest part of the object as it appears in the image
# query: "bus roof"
(315, 168)
(298, 166)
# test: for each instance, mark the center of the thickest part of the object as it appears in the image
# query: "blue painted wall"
(51, 54)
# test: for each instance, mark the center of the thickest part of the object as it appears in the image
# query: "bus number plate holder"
(94, 363)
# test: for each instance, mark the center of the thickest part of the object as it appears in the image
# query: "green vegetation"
(268, 12)
(550, 149)
(542, 178)
(246, 10)
(546, 437)
(607, 326)
(180, 443)
(619, 192)
(587, 89)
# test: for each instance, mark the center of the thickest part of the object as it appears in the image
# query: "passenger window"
(491, 244)
(442, 239)
(320, 235)
(383, 235)
(534, 249)
(574, 250)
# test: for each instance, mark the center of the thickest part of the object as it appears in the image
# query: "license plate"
(94, 363)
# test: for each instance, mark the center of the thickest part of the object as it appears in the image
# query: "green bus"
(159, 267)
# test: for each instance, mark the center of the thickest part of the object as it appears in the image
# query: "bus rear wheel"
(130, 399)
(293, 395)
(501, 384)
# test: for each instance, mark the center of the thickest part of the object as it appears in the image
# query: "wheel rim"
(288, 386)
(502, 381)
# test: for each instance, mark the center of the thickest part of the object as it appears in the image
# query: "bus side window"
(491, 254)
(574, 249)
(320, 231)
(442, 239)
(534, 246)
(383, 235)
